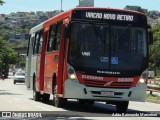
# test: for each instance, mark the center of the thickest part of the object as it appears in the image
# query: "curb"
(153, 101)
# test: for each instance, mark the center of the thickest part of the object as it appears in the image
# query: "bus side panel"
(33, 69)
(38, 73)
(65, 77)
(61, 64)
(50, 69)
(27, 82)
(42, 61)
(28, 61)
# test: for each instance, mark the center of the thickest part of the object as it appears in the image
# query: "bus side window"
(28, 45)
(58, 36)
(33, 44)
(40, 41)
(51, 40)
(35, 51)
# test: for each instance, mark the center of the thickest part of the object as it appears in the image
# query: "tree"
(1, 2)
(154, 50)
(7, 55)
(135, 8)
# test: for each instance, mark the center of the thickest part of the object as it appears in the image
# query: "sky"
(50, 5)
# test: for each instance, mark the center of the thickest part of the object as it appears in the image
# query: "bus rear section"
(102, 55)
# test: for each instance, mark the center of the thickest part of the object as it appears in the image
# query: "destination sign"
(109, 15)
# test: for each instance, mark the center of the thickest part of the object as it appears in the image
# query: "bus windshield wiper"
(126, 29)
(116, 41)
(98, 35)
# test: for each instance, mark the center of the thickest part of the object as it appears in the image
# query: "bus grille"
(97, 83)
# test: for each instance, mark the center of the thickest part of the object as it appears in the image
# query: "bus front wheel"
(58, 101)
(122, 106)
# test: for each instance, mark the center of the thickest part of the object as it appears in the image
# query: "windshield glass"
(20, 74)
(89, 46)
(128, 50)
(107, 47)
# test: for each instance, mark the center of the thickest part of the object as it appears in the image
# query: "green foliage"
(135, 8)
(155, 50)
(152, 96)
(1, 2)
(7, 55)
(153, 14)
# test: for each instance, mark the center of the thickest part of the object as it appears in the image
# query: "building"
(19, 36)
(2, 18)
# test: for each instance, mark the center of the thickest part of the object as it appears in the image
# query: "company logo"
(92, 77)
(86, 53)
(108, 83)
(125, 79)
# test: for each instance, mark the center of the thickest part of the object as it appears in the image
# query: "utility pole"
(61, 5)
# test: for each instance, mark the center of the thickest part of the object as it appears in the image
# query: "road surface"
(16, 98)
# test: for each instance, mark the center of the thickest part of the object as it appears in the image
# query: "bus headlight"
(72, 76)
(143, 77)
(71, 73)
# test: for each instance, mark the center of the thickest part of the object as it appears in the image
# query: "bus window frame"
(49, 50)
(40, 34)
(60, 23)
(28, 45)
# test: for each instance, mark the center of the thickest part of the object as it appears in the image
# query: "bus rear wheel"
(36, 95)
(122, 106)
(45, 97)
(58, 101)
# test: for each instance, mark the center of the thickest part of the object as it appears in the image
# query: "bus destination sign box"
(107, 15)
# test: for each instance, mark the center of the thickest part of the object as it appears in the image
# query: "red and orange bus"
(90, 54)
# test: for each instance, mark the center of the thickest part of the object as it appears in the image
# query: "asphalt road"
(15, 98)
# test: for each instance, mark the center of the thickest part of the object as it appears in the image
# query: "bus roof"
(36, 28)
(67, 14)
(109, 9)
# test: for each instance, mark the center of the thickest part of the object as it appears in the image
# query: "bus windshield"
(107, 47)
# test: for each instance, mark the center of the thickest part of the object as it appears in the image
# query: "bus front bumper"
(75, 90)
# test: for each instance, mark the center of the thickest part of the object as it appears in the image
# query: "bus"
(90, 54)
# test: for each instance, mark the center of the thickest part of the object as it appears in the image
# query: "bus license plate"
(107, 93)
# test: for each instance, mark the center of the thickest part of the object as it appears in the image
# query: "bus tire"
(36, 95)
(122, 106)
(45, 98)
(58, 101)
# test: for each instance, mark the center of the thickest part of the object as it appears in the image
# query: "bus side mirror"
(67, 32)
(150, 35)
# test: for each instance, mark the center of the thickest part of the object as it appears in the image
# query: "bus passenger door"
(38, 52)
(52, 56)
